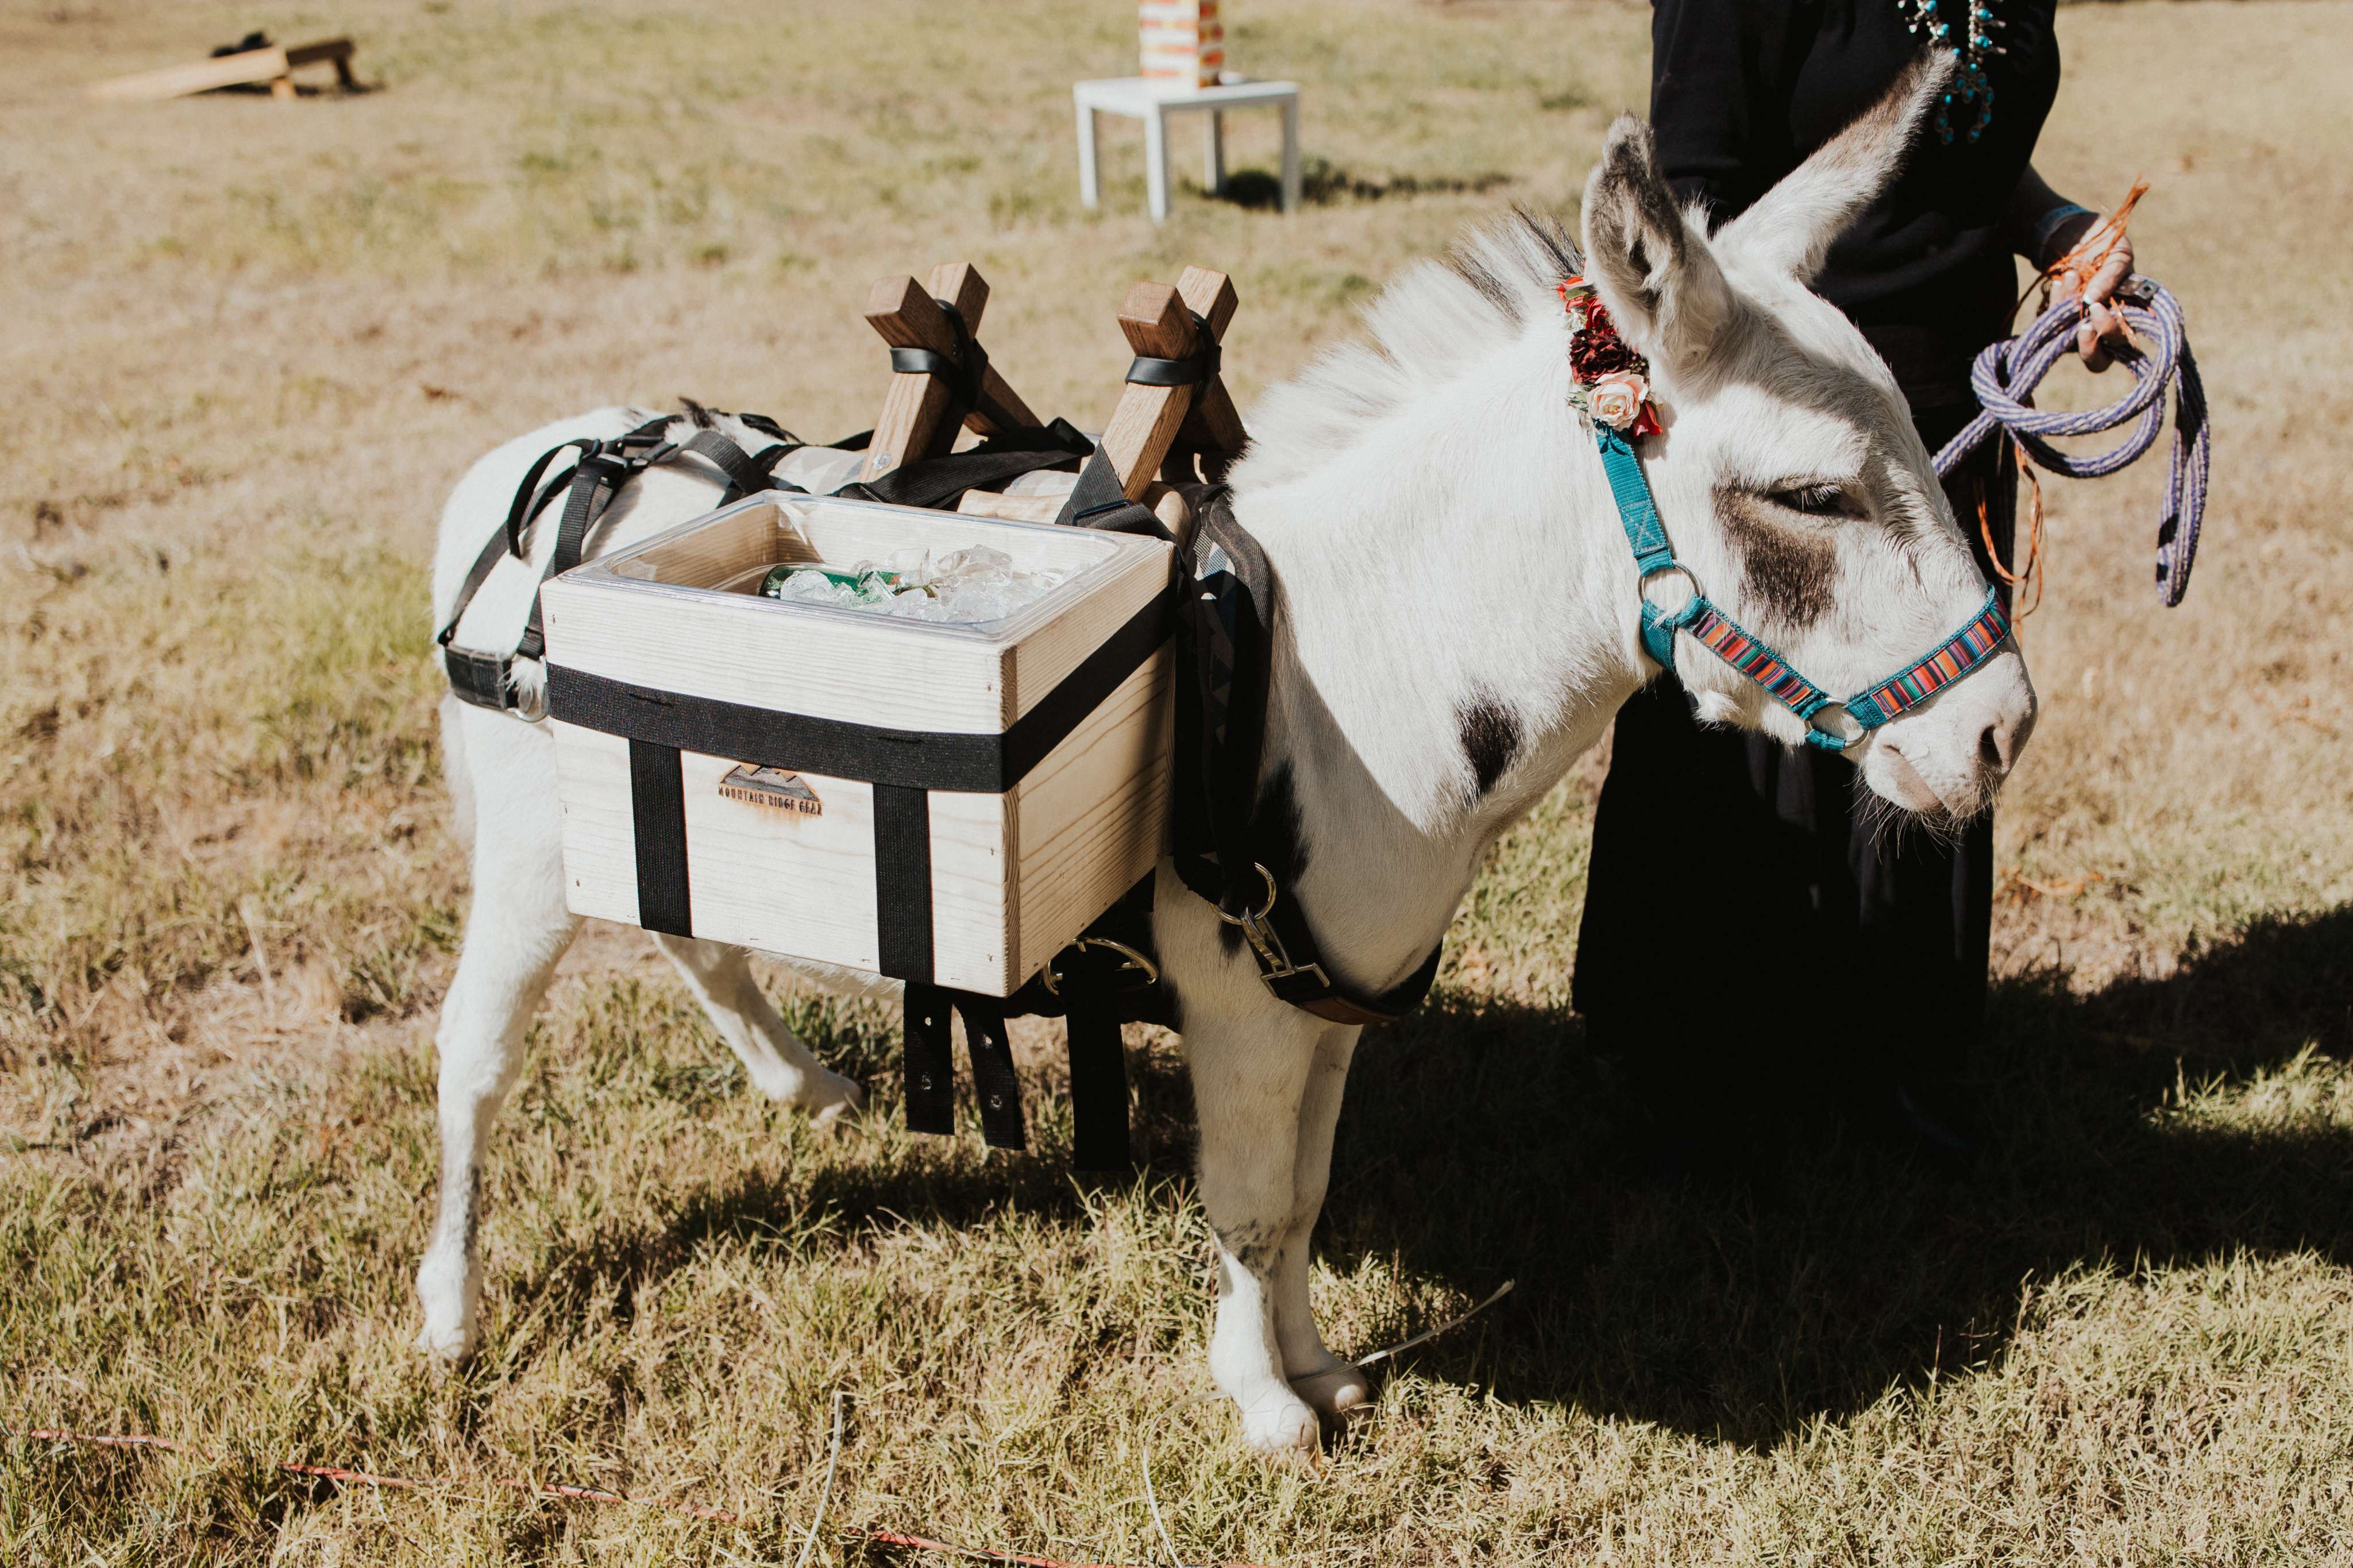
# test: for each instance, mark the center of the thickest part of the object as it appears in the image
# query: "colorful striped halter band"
(1746, 652)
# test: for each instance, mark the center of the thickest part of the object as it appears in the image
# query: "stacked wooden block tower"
(1183, 42)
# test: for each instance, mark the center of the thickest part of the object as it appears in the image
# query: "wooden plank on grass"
(274, 65)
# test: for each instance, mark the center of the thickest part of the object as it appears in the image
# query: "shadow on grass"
(1480, 1143)
(1484, 1145)
(913, 1183)
(1323, 183)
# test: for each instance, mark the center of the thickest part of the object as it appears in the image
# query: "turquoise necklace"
(1974, 48)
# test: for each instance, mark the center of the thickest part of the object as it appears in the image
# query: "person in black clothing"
(1729, 1047)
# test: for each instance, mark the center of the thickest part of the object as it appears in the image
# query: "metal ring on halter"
(1845, 742)
(1691, 583)
(1246, 920)
(1136, 961)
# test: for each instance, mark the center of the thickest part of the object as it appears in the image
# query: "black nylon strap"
(483, 679)
(992, 1078)
(929, 1063)
(657, 815)
(475, 576)
(1326, 998)
(1194, 368)
(1225, 656)
(1097, 502)
(744, 472)
(595, 482)
(480, 678)
(966, 370)
(923, 362)
(530, 499)
(596, 478)
(605, 468)
(477, 677)
(839, 748)
(1099, 1140)
(903, 882)
(937, 482)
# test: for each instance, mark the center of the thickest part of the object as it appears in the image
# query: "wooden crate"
(981, 793)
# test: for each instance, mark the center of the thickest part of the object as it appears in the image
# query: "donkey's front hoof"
(444, 1344)
(831, 1099)
(1282, 1429)
(1338, 1389)
(447, 1337)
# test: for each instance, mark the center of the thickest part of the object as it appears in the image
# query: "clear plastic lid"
(731, 551)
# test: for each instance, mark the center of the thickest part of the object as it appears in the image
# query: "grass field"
(249, 345)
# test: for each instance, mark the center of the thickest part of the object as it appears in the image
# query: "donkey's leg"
(781, 1067)
(1324, 1379)
(516, 931)
(1251, 1066)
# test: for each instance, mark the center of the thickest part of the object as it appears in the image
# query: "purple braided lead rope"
(2006, 375)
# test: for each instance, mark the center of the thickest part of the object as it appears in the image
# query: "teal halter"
(1743, 649)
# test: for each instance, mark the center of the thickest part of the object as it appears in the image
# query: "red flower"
(1593, 355)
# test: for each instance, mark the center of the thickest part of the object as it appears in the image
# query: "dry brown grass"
(249, 346)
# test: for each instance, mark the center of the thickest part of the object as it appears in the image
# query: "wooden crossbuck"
(1156, 433)
(1152, 422)
(274, 63)
(914, 422)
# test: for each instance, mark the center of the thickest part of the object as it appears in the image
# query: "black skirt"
(1749, 948)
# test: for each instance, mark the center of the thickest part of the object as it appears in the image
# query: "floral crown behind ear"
(1613, 382)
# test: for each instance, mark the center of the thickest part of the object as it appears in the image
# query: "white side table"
(1152, 101)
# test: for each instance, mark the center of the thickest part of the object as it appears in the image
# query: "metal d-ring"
(1274, 962)
(530, 703)
(1247, 921)
(1136, 961)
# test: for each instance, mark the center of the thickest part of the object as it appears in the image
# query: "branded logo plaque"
(772, 787)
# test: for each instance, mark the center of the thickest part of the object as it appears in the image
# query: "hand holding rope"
(2006, 375)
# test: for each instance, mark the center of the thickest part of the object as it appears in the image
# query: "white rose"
(1617, 400)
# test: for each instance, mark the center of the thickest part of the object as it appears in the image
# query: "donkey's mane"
(1433, 322)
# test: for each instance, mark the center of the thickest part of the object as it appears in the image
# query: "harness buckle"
(623, 459)
(1275, 964)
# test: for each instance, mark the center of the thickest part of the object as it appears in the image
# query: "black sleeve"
(1720, 85)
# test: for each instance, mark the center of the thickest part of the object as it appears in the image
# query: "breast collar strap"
(1749, 654)
(1277, 929)
(1223, 842)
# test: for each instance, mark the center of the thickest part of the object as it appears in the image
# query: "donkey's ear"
(1792, 227)
(1654, 272)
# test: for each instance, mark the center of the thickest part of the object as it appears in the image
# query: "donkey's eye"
(1813, 499)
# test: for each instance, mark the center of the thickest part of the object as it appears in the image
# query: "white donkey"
(1459, 623)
